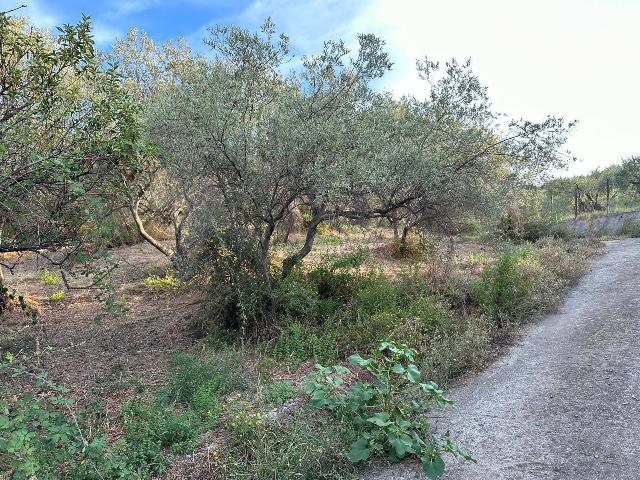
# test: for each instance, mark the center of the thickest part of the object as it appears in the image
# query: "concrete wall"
(606, 224)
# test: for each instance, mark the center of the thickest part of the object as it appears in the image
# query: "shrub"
(390, 414)
(165, 284)
(502, 289)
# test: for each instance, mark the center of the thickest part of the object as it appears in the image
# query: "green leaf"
(356, 359)
(433, 467)
(400, 445)
(381, 419)
(397, 368)
(413, 374)
(359, 451)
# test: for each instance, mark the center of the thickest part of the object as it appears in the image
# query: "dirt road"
(565, 402)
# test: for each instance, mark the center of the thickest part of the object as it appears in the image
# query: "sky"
(577, 59)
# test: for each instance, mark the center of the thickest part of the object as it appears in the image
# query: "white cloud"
(40, 16)
(104, 35)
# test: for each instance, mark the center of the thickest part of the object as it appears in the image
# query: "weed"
(277, 393)
(57, 296)
(49, 278)
(385, 418)
(168, 283)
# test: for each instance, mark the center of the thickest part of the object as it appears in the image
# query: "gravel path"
(565, 403)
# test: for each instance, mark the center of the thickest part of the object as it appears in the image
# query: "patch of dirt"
(106, 360)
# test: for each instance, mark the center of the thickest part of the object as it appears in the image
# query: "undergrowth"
(325, 313)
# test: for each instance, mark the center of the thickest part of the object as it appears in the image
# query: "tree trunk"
(265, 244)
(133, 207)
(405, 234)
(293, 260)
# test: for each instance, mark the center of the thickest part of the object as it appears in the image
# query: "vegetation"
(383, 419)
(296, 218)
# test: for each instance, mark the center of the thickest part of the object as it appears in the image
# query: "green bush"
(388, 415)
(49, 278)
(502, 290)
(168, 283)
(57, 296)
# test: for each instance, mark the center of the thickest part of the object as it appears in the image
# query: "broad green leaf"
(413, 374)
(359, 451)
(400, 445)
(397, 368)
(433, 467)
(381, 419)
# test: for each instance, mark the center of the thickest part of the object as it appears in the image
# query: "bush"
(165, 284)
(389, 415)
(49, 278)
(502, 290)
(57, 296)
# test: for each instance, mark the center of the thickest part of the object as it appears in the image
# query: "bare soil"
(105, 361)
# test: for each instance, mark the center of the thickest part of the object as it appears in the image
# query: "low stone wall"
(606, 224)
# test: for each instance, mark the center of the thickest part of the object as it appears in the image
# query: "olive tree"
(163, 189)
(256, 141)
(262, 143)
(450, 152)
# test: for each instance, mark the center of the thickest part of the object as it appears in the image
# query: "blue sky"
(572, 58)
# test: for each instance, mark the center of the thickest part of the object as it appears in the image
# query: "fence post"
(608, 196)
(575, 216)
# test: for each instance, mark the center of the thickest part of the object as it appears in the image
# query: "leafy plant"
(49, 278)
(386, 420)
(57, 296)
(165, 284)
